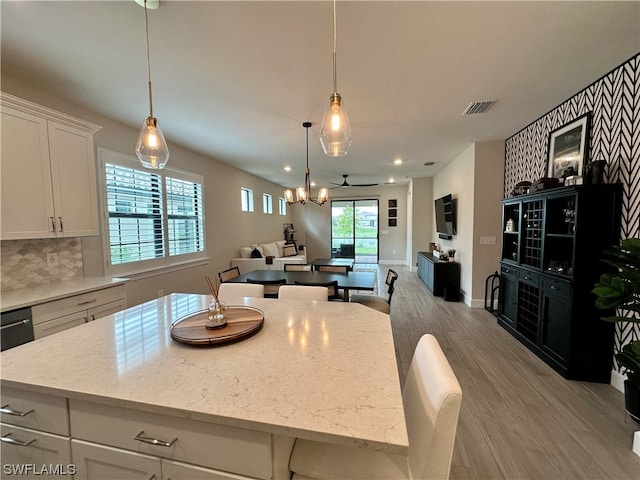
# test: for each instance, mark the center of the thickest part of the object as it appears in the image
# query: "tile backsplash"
(24, 262)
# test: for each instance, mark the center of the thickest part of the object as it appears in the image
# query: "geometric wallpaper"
(614, 104)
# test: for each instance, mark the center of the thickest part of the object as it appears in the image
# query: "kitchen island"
(323, 371)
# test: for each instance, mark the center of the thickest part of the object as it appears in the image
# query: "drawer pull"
(154, 441)
(19, 323)
(88, 302)
(553, 287)
(8, 439)
(9, 411)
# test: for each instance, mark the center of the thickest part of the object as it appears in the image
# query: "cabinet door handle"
(154, 441)
(61, 225)
(87, 302)
(8, 439)
(16, 413)
(53, 224)
(19, 323)
(553, 287)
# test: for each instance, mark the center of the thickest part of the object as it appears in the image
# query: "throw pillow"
(255, 253)
(245, 252)
(288, 251)
(269, 249)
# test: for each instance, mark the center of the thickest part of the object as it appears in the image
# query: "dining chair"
(303, 292)
(333, 268)
(333, 293)
(431, 398)
(271, 287)
(297, 267)
(379, 303)
(230, 290)
(228, 274)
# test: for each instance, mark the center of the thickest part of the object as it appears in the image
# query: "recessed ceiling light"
(287, 168)
(397, 161)
(391, 180)
(313, 184)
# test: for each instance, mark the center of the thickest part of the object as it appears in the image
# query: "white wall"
(422, 213)
(475, 178)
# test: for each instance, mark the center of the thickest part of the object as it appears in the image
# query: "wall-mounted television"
(445, 217)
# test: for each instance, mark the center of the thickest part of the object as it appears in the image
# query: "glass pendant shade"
(151, 149)
(335, 134)
(288, 196)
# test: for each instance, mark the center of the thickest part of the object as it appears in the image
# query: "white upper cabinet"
(48, 173)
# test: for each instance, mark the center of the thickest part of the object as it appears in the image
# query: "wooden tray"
(242, 322)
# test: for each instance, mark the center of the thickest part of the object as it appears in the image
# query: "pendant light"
(151, 148)
(335, 134)
(303, 194)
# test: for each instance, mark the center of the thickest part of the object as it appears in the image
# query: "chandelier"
(303, 194)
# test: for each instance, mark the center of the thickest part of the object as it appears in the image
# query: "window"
(267, 203)
(155, 218)
(282, 206)
(247, 199)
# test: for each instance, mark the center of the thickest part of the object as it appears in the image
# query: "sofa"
(273, 256)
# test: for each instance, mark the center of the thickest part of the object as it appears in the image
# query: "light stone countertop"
(26, 297)
(318, 370)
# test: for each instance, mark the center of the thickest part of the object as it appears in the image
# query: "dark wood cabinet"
(441, 277)
(551, 244)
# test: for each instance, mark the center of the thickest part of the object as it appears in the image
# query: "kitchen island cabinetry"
(48, 173)
(224, 411)
(35, 432)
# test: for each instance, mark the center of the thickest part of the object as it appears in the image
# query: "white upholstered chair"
(238, 290)
(431, 397)
(303, 292)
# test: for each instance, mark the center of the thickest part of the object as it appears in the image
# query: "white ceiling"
(235, 80)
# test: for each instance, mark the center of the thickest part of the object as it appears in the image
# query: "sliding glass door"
(354, 230)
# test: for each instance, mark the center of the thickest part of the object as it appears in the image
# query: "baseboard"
(474, 303)
(617, 380)
(393, 262)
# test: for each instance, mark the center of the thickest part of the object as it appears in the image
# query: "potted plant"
(620, 290)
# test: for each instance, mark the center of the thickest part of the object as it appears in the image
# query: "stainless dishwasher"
(17, 328)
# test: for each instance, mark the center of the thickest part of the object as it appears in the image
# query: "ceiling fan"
(347, 184)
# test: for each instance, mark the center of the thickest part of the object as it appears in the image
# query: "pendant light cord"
(146, 23)
(335, 76)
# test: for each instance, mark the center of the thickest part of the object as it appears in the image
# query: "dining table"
(323, 371)
(346, 281)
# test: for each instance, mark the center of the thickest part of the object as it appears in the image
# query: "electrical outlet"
(52, 259)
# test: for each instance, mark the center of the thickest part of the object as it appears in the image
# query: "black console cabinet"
(441, 277)
(551, 244)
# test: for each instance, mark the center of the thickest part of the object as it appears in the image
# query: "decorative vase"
(632, 400)
(216, 315)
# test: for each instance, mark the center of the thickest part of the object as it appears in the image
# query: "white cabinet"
(100, 462)
(35, 435)
(179, 444)
(48, 178)
(59, 315)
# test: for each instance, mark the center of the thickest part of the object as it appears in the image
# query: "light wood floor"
(519, 419)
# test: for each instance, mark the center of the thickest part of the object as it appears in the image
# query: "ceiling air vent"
(478, 107)
(428, 164)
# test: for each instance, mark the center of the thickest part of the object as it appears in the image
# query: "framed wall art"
(568, 147)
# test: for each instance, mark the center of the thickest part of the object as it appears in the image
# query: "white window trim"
(282, 206)
(144, 267)
(267, 203)
(250, 202)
